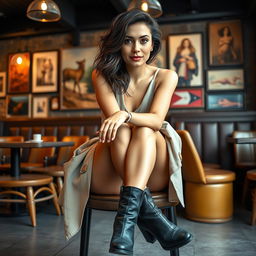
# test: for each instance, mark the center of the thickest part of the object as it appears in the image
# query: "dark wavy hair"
(109, 61)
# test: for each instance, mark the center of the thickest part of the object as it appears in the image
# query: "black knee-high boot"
(127, 214)
(154, 225)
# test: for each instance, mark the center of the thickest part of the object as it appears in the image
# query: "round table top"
(36, 144)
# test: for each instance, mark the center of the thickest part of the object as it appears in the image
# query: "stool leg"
(59, 183)
(245, 190)
(253, 222)
(85, 232)
(31, 205)
(171, 215)
(55, 198)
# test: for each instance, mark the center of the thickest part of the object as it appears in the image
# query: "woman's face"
(186, 43)
(137, 44)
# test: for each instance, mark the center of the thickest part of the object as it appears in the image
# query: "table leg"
(15, 162)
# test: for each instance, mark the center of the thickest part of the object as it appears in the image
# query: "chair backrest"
(36, 155)
(192, 168)
(245, 154)
(5, 152)
(65, 153)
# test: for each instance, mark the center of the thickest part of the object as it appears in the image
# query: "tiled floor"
(18, 238)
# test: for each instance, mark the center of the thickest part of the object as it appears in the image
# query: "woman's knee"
(142, 133)
(123, 135)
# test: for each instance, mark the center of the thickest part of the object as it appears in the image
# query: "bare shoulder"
(98, 80)
(167, 76)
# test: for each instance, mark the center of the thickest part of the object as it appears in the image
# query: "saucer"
(36, 141)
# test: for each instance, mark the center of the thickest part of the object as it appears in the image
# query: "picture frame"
(225, 101)
(45, 71)
(2, 108)
(54, 103)
(185, 57)
(19, 72)
(76, 83)
(40, 106)
(2, 84)
(225, 79)
(225, 43)
(187, 98)
(161, 61)
(18, 105)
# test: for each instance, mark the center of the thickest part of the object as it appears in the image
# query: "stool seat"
(42, 183)
(52, 170)
(219, 176)
(251, 175)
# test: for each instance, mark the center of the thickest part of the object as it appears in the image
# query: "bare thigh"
(159, 178)
(105, 179)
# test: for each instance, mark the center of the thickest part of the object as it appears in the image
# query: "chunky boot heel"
(126, 218)
(147, 235)
(154, 225)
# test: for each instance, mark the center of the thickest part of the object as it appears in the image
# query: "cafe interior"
(48, 108)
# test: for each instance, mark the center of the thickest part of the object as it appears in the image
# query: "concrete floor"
(18, 238)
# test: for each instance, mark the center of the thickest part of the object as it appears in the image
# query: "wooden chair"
(5, 153)
(208, 192)
(110, 203)
(42, 183)
(250, 178)
(36, 156)
(64, 154)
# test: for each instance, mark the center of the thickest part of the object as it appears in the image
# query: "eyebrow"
(139, 37)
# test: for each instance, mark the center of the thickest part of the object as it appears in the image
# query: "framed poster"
(229, 79)
(40, 106)
(225, 101)
(19, 72)
(188, 98)
(45, 71)
(18, 105)
(185, 57)
(2, 108)
(76, 82)
(54, 103)
(160, 60)
(225, 43)
(2, 84)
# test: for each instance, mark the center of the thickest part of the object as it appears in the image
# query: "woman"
(130, 151)
(226, 52)
(185, 62)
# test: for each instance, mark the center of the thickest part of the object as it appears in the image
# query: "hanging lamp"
(152, 7)
(43, 11)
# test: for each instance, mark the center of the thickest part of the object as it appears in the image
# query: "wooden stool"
(250, 176)
(110, 203)
(29, 181)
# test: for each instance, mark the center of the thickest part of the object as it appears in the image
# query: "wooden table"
(249, 140)
(16, 146)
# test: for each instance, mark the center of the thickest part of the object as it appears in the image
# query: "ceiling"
(81, 15)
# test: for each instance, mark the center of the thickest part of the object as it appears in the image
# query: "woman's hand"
(109, 127)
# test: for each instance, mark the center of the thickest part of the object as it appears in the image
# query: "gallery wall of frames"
(57, 79)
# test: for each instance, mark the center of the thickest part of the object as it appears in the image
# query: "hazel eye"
(144, 40)
(127, 41)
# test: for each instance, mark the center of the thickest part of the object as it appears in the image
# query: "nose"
(136, 47)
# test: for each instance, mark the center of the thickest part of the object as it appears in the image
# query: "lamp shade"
(44, 11)
(152, 7)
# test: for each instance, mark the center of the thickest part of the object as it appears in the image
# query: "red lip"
(136, 58)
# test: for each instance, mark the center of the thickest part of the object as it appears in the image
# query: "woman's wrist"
(129, 116)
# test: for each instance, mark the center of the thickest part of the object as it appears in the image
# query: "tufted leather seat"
(208, 192)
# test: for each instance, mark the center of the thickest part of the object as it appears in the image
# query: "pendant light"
(44, 11)
(152, 7)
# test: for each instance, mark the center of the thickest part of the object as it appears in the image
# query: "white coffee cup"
(37, 137)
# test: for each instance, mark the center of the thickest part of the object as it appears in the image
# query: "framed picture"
(19, 72)
(54, 103)
(2, 84)
(18, 105)
(225, 101)
(225, 43)
(76, 82)
(188, 98)
(2, 108)
(160, 60)
(185, 57)
(45, 71)
(40, 106)
(230, 79)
